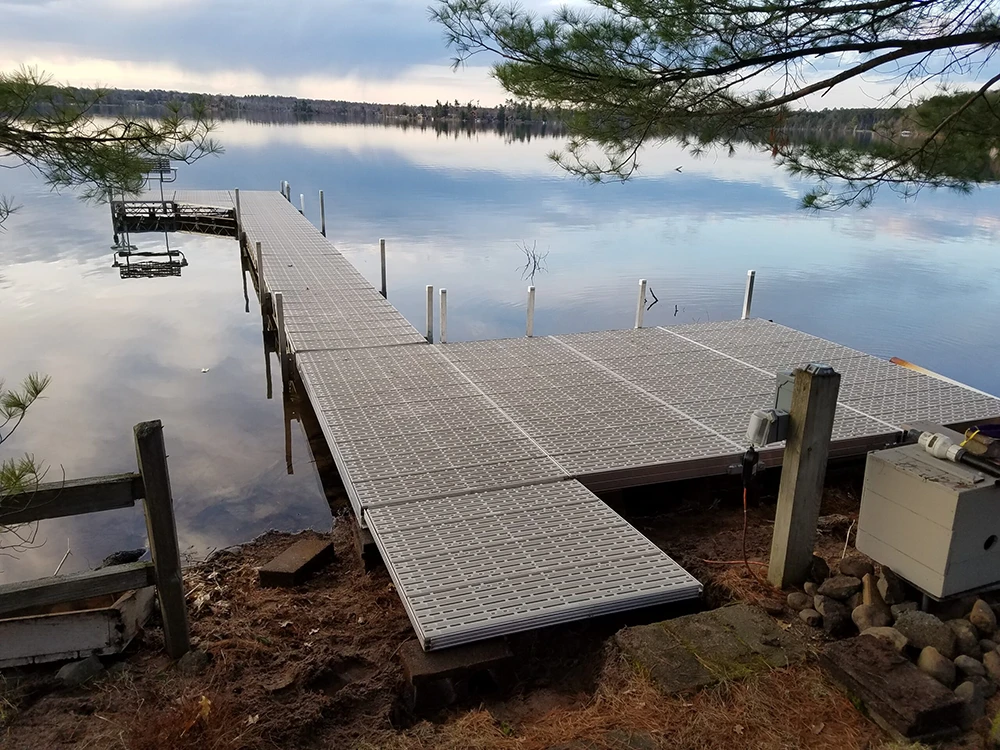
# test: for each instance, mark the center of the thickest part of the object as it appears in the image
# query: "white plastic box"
(934, 522)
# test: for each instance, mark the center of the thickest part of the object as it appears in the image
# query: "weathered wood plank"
(111, 580)
(162, 531)
(72, 497)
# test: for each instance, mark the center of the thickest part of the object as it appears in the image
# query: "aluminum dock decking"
(473, 463)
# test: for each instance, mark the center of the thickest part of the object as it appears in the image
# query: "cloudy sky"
(360, 50)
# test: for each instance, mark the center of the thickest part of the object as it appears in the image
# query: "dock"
(474, 465)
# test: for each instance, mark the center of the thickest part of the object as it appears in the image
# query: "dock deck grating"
(473, 464)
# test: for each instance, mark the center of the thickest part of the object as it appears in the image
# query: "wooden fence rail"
(151, 484)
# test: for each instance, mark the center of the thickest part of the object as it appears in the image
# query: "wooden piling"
(748, 295)
(381, 246)
(322, 214)
(279, 323)
(810, 425)
(151, 455)
(444, 316)
(430, 314)
(530, 325)
(261, 294)
(239, 219)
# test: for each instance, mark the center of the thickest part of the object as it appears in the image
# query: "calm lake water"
(914, 279)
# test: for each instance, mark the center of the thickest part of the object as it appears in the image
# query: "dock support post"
(530, 327)
(430, 314)
(322, 214)
(381, 247)
(640, 309)
(288, 191)
(239, 219)
(279, 323)
(748, 295)
(302, 204)
(151, 456)
(810, 425)
(444, 316)
(261, 294)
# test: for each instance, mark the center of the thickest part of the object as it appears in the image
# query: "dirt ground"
(318, 666)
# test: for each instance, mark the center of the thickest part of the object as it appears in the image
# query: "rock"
(855, 601)
(974, 703)
(898, 609)
(76, 673)
(773, 607)
(799, 601)
(991, 662)
(897, 639)
(870, 594)
(810, 588)
(837, 621)
(811, 617)
(966, 638)
(987, 645)
(856, 567)
(819, 571)
(891, 587)
(937, 666)
(194, 662)
(824, 604)
(968, 667)
(869, 616)
(840, 587)
(922, 629)
(983, 618)
(988, 687)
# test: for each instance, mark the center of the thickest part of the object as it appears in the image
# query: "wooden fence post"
(810, 425)
(151, 456)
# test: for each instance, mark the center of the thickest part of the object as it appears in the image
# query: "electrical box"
(934, 522)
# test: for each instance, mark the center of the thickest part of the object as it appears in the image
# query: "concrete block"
(293, 566)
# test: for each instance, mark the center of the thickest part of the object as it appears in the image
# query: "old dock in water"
(474, 465)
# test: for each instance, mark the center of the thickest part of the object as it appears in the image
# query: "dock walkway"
(474, 464)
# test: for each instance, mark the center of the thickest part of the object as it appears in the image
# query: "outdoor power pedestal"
(933, 522)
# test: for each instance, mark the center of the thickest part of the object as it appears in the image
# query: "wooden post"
(322, 214)
(444, 316)
(430, 314)
(279, 324)
(530, 327)
(640, 308)
(810, 425)
(267, 366)
(381, 247)
(239, 220)
(151, 456)
(260, 277)
(748, 295)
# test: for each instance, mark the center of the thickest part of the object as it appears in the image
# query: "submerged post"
(302, 204)
(239, 219)
(279, 324)
(430, 314)
(381, 247)
(530, 328)
(322, 214)
(810, 425)
(260, 277)
(748, 295)
(151, 456)
(444, 316)
(641, 306)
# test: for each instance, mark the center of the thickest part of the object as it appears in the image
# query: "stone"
(811, 617)
(838, 623)
(898, 609)
(991, 663)
(819, 571)
(855, 601)
(870, 594)
(840, 587)
(988, 687)
(987, 645)
(973, 703)
(799, 601)
(293, 566)
(773, 607)
(966, 638)
(891, 587)
(922, 629)
(824, 604)
(893, 691)
(194, 662)
(983, 618)
(870, 616)
(856, 567)
(810, 588)
(937, 666)
(893, 636)
(968, 667)
(77, 673)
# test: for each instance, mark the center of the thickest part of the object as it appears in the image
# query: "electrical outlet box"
(934, 522)
(785, 384)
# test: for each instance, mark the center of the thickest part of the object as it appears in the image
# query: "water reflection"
(897, 279)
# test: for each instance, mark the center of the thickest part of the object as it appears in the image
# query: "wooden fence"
(151, 484)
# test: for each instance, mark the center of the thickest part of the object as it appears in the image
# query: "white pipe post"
(239, 220)
(530, 329)
(302, 204)
(444, 316)
(288, 191)
(281, 188)
(641, 306)
(322, 214)
(279, 322)
(381, 247)
(260, 276)
(748, 295)
(430, 314)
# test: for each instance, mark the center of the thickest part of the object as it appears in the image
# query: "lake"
(916, 279)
